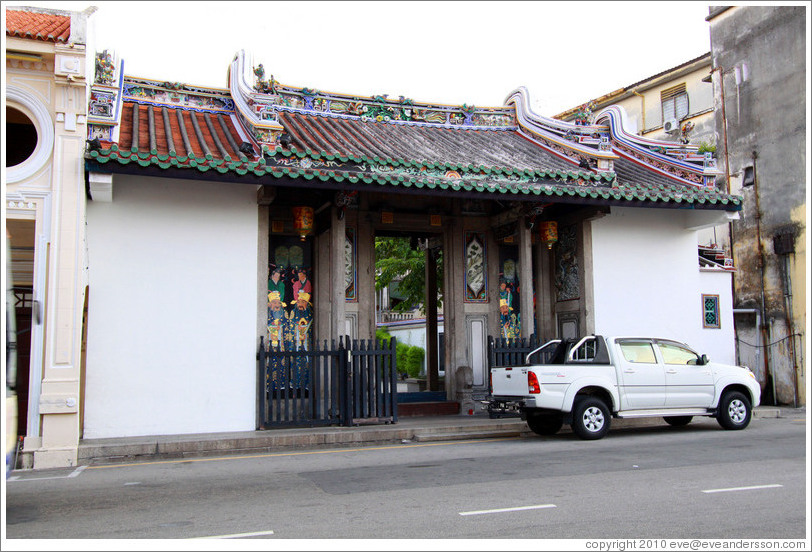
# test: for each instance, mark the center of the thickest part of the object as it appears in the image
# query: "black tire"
(545, 424)
(678, 421)
(591, 418)
(734, 411)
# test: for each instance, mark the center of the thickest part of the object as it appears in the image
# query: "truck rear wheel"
(734, 411)
(591, 418)
(545, 424)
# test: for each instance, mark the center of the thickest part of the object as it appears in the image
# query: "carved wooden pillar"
(526, 277)
(432, 363)
(338, 232)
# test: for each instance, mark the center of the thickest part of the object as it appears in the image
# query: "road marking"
(238, 535)
(74, 473)
(500, 510)
(279, 454)
(731, 489)
(77, 471)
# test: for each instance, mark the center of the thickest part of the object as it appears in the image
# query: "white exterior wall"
(172, 310)
(647, 281)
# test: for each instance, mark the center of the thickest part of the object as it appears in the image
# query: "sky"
(472, 52)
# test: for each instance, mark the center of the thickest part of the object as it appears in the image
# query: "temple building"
(216, 222)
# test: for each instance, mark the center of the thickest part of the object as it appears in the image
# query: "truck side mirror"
(703, 360)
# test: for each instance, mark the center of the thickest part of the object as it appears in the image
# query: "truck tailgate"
(509, 382)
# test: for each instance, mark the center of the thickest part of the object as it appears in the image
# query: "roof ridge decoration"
(111, 88)
(259, 99)
(104, 106)
(681, 162)
(584, 145)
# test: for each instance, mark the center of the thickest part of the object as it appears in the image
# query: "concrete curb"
(411, 429)
(105, 451)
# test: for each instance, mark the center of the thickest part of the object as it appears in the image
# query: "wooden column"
(544, 299)
(525, 277)
(338, 234)
(432, 361)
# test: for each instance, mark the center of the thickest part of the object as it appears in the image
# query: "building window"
(710, 311)
(675, 103)
(21, 137)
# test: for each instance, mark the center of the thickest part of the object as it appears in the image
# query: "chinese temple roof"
(39, 26)
(274, 132)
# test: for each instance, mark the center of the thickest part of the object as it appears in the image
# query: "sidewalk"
(407, 429)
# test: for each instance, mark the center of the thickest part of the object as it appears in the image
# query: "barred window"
(710, 311)
(675, 102)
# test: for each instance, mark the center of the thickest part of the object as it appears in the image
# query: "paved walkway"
(408, 429)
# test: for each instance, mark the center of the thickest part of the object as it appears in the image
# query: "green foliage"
(401, 350)
(414, 361)
(381, 334)
(396, 260)
(706, 147)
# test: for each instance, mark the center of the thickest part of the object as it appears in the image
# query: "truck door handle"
(671, 371)
(629, 370)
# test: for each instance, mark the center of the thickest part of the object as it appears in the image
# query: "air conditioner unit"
(671, 126)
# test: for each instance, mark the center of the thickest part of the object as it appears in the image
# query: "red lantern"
(303, 221)
(549, 233)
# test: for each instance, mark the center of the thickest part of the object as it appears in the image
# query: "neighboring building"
(214, 218)
(674, 106)
(48, 69)
(660, 106)
(760, 86)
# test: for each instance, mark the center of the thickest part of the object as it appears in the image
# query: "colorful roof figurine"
(47, 27)
(262, 129)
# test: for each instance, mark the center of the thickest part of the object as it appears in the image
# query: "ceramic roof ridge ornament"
(577, 143)
(679, 161)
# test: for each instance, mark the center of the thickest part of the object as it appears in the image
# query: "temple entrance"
(409, 272)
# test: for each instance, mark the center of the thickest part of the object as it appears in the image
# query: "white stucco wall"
(172, 311)
(647, 281)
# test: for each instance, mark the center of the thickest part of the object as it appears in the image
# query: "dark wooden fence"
(334, 384)
(509, 352)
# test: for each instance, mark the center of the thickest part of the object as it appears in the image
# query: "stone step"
(438, 408)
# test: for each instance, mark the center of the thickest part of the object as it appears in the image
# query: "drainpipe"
(761, 264)
(643, 109)
(724, 125)
(787, 280)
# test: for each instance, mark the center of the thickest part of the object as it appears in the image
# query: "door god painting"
(290, 311)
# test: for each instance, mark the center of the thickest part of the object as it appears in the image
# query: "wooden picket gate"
(334, 384)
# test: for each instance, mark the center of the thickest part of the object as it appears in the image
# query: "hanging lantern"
(303, 221)
(549, 233)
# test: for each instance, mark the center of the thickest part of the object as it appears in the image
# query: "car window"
(638, 351)
(677, 354)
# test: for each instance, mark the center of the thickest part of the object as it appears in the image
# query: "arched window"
(21, 137)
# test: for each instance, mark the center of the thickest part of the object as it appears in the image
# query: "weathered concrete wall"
(759, 83)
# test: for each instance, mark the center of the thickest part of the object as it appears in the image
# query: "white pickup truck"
(587, 382)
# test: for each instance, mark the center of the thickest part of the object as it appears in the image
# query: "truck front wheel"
(590, 418)
(544, 424)
(734, 411)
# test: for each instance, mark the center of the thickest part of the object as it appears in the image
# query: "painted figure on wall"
(509, 321)
(276, 328)
(276, 318)
(290, 312)
(505, 293)
(300, 323)
(302, 284)
(276, 283)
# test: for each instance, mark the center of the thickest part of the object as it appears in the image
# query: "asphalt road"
(649, 482)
